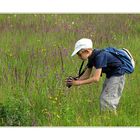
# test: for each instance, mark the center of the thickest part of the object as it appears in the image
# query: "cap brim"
(75, 52)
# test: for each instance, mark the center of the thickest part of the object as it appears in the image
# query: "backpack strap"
(96, 52)
(81, 73)
(130, 56)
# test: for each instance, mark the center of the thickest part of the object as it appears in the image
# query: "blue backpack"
(124, 56)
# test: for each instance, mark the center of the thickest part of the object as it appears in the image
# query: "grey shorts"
(111, 92)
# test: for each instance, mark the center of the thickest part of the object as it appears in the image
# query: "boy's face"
(83, 54)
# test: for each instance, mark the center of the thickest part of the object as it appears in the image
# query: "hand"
(76, 82)
(68, 83)
(71, 82)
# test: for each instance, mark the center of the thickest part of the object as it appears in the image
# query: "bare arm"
(95, 78)
(86, 74)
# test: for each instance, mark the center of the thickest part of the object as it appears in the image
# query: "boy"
(104, 62)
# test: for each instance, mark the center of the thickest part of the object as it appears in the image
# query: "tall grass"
(35, 59)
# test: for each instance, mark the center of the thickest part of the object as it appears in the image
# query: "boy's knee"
(106, 104)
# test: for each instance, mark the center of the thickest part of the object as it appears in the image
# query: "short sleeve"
(90, 63)
(101, 61)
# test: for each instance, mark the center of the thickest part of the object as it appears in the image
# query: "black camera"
(69, 79)
(81, 72)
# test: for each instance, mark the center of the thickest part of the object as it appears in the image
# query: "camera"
(69, 79)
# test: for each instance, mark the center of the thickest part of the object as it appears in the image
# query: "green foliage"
(35, 59)
(15, 112)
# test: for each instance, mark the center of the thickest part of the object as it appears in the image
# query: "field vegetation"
(35, 60)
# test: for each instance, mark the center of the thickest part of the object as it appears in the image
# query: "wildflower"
(65, 51)
(56, 98)
(44, 110)
(10, 55)
(58, 116)
(50, 97)
(54, 102)
(73, 23)
(43, 50)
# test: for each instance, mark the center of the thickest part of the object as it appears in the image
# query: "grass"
(32, 87)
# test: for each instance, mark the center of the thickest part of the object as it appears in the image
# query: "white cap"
(83, 43)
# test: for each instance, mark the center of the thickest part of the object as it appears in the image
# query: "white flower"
(73, 23)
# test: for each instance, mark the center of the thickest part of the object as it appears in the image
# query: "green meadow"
(35, 60)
